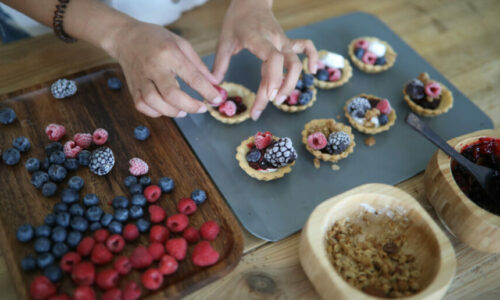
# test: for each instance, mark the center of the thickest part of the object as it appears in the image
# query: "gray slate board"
(277, 209)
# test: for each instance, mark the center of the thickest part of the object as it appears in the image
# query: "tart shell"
(233, 89)
(444, 106)
(327, 126)
(391, 118)
(296, 108)
(390, 56)
(241, 153)
(346, 74)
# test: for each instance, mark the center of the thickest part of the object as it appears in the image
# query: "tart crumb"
(317, 163)
(335, 167)
(370, 141)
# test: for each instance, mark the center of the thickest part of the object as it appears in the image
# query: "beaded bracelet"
(58, 22)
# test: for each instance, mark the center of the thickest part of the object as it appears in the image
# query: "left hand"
(251, 25)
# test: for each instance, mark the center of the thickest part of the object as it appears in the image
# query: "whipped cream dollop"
(332, 60)
(377, 48)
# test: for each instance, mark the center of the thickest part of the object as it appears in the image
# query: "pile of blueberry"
(303, 92)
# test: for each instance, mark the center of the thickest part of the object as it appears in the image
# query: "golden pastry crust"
(241, 153)
(444, 106)
(234, 89)
(390, 56)
(346, 74)
(391, 117)
(327, 126)
(296, 108)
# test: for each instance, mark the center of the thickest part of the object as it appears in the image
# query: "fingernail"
(281, 99)
(256, 114)
(217, 100)
(273, 94)
(202, 109)
(181, 114)
(314, 69)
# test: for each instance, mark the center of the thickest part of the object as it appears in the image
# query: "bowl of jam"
(459, 201)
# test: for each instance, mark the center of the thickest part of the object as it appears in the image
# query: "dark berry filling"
(240, 106)
(484, 152)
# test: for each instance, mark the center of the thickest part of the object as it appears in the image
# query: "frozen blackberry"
(28, 263)
(39, 178)
(166, 184)
(79, 223)
(136, 212)
(115, 227)
(42, 245)
(95, 226)
(339, 141)
(44, 260)
(43, 230)
(138, 200)
(57, 173)
(58, 234)
(11, 156)
(55, 146)
(90, 200)
(135, 188)
(143, 225)
(49, 189)
(73, 239)
(114, 83)
(254, 155)
(94, 213)
(50, 220)
(32, 164)
(59, 249)
(71, 164)
(53, 273)
(120, 202)
(69, 196)
(25, 233)
(7, 116)
(22, 144)
(280, 153)
(84, 157)
(57, 157)
(358, 107)
(145, 180)
(60, 207)
(141, 133)
(76, 183)
(63, 218)
(106, 219)
(199, 196)
(76, 209)
(63, 88)
(101, 161)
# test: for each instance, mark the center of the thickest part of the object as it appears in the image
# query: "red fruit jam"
(484, 152)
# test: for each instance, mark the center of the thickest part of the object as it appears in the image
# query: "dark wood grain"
(166, 152)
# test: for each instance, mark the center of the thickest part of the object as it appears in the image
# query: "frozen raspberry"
(191, 234)
(84, 292)
(177, 248)
(384, 106)
(122, 265)
(107, 279)
(293, 99)
(156, 250)
(112, 294)
(186, 206)
(115, 243)
(55, 132)
(228, 108)
(433, 89)
(262, 140)
(83, 273)
(152, 193)
(85, 246)
(363, 44)
(152, 279)
(317, 141)
(369, 58)
(168, 265)
(100, 136)
(204, 255)
(156, 214)
(60, 297)
(334, 74)
(132, 291)
(69, 260)
(177, 222)
(83, 140)
(158, 233)
(101, 235)
(209, 230)
(101, 255)
(223, 93)
(130, 232)
(138, 167)
(71, 149)
(140, 258)
(41, 288)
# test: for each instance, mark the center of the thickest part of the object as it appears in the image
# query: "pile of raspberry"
(370, 113)
(370, 53)
(336, 143)
(303, 92)
(230, 105)
(424, 92)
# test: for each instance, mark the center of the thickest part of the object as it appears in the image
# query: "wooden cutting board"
(166, 152)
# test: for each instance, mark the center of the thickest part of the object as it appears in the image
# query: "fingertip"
(256, 114)
(203, 109)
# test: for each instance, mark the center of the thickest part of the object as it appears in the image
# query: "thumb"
(222, 59)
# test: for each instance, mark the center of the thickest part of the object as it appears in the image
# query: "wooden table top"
(460, 38)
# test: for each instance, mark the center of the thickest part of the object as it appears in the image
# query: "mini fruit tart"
(265, 157)
(370, 114)
(333, 70)
(236, 103)
(427, 97)
(371, 55)
(301, 98)
(328, 140)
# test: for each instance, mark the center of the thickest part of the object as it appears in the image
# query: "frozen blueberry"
(115, 227)
(136, 212)
(69, 196)
(63, 218)
(43, 230)
(143, 225)
(44, 260)
(120, 202)
(44, 164)
(71, 164)
(199, 196)
(53, 273)
(50, 219)
(59, 249)
(135, 188)
(114, 83)
(49, 189)
(138, 200)
(145, 180)
(121, 214)
(76, 183)
(39, 178)
(94, 213)
(84, 158)
(253, 155)
(308, 79)
(57, 157)
(57, 173)
(304, 98)
(383, 119)
(42, 244)
(22, 144)
(58, 234)
(28, 263)
(166, 184)
(129, 180)
(25, 233)
(76, 209)
(74, 238)
(60, 207)
(141, 132)
(79, 223)
(32, 164)
(54, 146)
(95, 226)
(380, 61)
(359, 52)
(322, 75)
(7, 116)
(11, 156)
(106, 219)
(90, 200)
(300, 84)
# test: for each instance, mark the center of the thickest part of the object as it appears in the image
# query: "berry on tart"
(236, 103)
(333, 70)
(302, 97)
(265, 157)
(370, 114)
(371, 54)
(427, 97)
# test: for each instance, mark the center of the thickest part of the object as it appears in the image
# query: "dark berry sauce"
(484, 152)
(426, 104)
(240, 106)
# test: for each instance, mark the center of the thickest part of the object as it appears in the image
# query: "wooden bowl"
(470, 223)
(425, 241)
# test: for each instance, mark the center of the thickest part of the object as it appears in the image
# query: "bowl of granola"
(376, 241)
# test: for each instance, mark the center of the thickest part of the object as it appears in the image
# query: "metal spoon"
(483, 175)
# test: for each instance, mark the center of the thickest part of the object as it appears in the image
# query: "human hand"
(251, 25)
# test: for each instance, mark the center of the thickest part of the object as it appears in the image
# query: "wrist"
(110, 42)
(265, 3)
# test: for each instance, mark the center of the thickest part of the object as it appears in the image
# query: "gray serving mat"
(274, 210)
